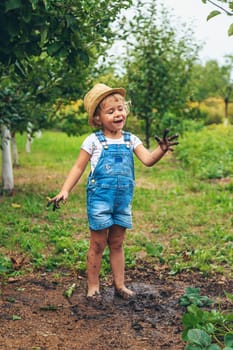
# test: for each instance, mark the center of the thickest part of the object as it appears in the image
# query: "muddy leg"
(117, 260)
(98, 243)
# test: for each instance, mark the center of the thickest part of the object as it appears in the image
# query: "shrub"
(209, 152)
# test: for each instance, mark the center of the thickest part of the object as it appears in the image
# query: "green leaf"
(12, 5)
(198, 337)
(229, 295)
(193, 347)
(27, 15)
(43, 35)
(54, 48)
(213, 347)
(154, 250)
(68, 293)
(49, 308)
(192, 296)
(228, 340)
(11, 300)
(46, 5)
(16, 318)
(19, 68)
(213, 14)
(230, 30)
(34, 3)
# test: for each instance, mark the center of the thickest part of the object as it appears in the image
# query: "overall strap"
(100, 135)
(127, 138)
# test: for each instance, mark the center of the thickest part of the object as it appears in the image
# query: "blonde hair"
(117, 97)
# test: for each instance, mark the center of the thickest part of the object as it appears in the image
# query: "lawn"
(182, 208)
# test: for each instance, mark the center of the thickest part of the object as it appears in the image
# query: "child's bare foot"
(93, 291)
(96, 297)
(125, 293)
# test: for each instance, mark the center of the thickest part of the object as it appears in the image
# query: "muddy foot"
(95, 298)
(125, 293)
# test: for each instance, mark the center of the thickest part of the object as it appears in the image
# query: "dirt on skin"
(36, 315)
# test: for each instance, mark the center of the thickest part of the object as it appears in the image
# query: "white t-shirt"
(93, 146)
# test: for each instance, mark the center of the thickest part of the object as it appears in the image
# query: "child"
(111, 181)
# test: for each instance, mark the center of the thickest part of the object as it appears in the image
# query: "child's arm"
(165, 144)
(71, 180)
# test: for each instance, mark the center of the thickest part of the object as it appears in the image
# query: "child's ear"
(97, 120)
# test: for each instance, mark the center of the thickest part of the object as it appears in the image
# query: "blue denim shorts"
(109, 202)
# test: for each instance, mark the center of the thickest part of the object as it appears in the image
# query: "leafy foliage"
(213, 80)
(205, 330)
(44, 43)
(27, 97)
(192, 296)
(204, 327)
(223, 6)
(71, 32)
(60, 28)
(198, 339)
(209, 155)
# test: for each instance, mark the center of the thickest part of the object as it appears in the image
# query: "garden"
(178, 255)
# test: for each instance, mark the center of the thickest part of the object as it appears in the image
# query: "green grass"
(182, 209)
(209, 153)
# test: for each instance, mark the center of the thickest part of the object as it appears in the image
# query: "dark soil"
(35, 314)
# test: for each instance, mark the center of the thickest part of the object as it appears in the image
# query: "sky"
(212, 33)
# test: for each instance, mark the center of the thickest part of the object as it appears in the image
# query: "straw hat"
(96, 95)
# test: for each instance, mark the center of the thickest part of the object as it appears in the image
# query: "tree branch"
(221, 8)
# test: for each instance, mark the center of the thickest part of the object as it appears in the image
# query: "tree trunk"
(147, 132)
(226, 102)
(7, 169)
(15, 153)
(28, 143)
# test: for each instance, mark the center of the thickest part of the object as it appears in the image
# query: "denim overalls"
(110, 186)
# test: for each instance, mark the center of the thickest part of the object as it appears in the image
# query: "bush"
(209, 152)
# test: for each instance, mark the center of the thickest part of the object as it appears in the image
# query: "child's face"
(112, 113)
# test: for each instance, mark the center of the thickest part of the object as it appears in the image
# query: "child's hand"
(166, 142)
(55, 203)
(56, 200)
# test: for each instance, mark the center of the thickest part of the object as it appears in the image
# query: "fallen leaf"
(17, 263)
(15, 205)
(16, 318)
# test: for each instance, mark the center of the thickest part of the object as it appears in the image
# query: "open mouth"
(118, 121)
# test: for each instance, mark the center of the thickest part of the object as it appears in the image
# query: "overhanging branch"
(229, 13)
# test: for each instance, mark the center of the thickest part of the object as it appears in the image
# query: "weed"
(192, 296)
(205, 329)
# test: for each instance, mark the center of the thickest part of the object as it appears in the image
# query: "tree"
(69, 31)
(227, 90)
(158, 66)
(214, 80)
(65, 29)
(8, 115)
(7, 172)
(223, 6)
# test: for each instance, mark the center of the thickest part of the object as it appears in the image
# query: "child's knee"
(98, 242)
(115, 244)
(97, 247)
